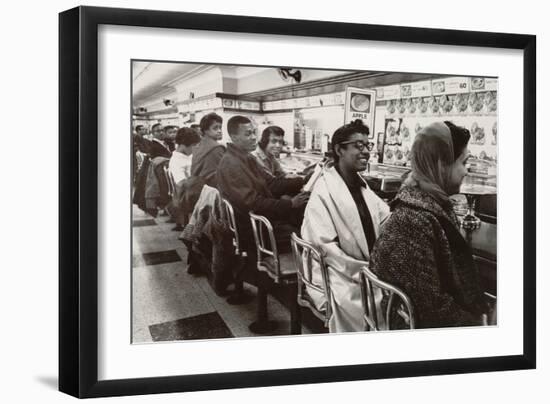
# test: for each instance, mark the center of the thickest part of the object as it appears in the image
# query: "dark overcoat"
(421, 250)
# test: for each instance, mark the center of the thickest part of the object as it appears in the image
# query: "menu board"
(421, 89)
(360, 104)
(466, 101)
(452, 85)
(483, 84)
(388, 92)
(323, 100)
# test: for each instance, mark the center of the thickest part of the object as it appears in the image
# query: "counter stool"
(170, 207)
(370, 283)
(305, 254)
(239, 296)
(170, 181)
(277, 268)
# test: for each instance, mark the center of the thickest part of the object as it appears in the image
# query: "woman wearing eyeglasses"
(343, 218)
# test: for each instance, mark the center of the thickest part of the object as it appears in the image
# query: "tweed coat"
(422, 251)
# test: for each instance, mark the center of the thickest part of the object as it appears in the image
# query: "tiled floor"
(169, 304)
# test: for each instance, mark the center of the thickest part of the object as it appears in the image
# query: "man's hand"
(300, 200)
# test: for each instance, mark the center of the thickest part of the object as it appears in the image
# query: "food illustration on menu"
(405, 134)
(407, 152)
(390, 106)
(423, 105)
(478, 134)
(438, 86)
(476, 103)
(491, 101)
(360, 102)
(434, 104)
(391, 135)
(402, 106)
(446, 103)
(411, 105)
(398, 154)
(461, 102)
(477, 83)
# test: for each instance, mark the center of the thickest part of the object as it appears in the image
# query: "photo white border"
(118, 359)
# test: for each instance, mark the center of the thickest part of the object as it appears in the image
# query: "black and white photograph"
(277, 200)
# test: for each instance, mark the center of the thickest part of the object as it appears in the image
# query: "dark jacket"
(141, 184)
(186, 196)
(156, 187)
(248, 188)
(421, 251)
(208, 221)
(206, 158)
(154, 148)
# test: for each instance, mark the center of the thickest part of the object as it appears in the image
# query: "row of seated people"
(151, 153)
(260, 185)
(418, 247)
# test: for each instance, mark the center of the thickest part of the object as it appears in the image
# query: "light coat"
(332, 223)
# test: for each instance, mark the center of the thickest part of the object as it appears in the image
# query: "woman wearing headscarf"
(343, 218)
(421, 249)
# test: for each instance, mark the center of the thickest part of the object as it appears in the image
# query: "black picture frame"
(78, 195)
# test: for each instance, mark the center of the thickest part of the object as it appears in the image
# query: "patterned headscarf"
(432, 157)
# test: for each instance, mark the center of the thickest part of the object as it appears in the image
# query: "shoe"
(194, 269)
(179, 227)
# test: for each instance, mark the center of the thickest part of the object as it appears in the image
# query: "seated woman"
(343, 218)
(269, 149)
(180, 167)
(208, 154)
(421, 249)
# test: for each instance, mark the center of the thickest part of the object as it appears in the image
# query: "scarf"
(432, 157)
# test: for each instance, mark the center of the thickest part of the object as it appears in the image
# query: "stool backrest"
(170, 181)
(372, 306)
(140, 158)
(265, 240)
(232, 224)
(305, 254)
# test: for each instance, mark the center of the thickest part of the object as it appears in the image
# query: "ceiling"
(155, 80)
(151, 78)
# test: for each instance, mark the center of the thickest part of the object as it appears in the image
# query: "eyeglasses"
(358, 144)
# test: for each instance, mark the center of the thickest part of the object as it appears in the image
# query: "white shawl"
(332, 223)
